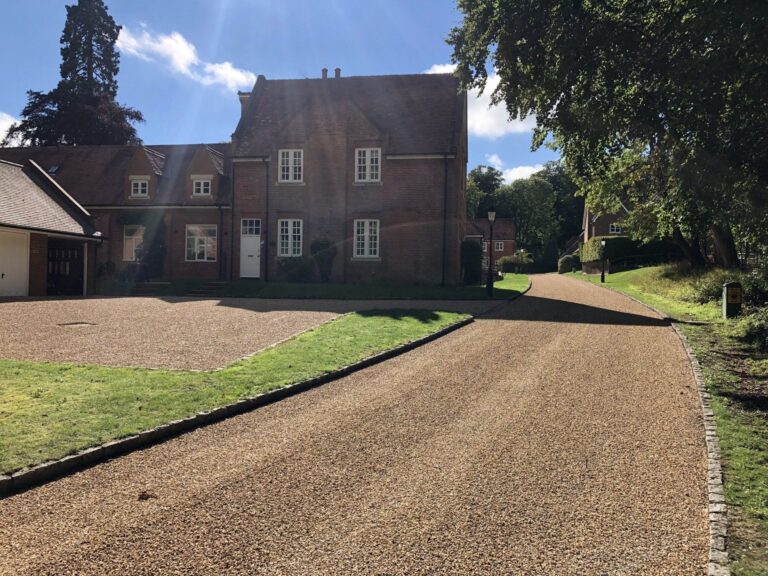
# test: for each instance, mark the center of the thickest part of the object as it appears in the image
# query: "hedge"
(617, 247)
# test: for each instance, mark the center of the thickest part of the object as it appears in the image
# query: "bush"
(324, 253)
(753, 328)
(518, 262)
(300, 269)
(709, 286)
(617, 247)
(471, 261)
(568, 263)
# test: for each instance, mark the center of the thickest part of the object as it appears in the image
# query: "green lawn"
(510, 286)
(50, 410)
(736, 376)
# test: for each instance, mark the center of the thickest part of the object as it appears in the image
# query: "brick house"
(376, 165)
(171, 199)
(604, 225)
(503, 235)
(47, 240)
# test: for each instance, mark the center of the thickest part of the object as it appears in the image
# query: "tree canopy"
(82, 109)
(677, 87)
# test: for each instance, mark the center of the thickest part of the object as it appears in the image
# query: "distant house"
(374, 164)
(47, 239)
(503, 235)
(603, 225)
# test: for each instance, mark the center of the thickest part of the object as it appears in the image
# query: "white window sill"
(368, 183)
(366, 258)
(138, 197)
(290, 183)
(200, 261)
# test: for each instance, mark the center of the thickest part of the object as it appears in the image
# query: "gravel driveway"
(560, 436)
(182, 333)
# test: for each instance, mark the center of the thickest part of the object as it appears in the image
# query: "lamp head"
(602, 243)
(491, 214)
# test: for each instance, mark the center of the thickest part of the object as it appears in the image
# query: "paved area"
(560, 436)
(181, 333)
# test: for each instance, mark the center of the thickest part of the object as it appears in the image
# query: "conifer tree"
(82, 109)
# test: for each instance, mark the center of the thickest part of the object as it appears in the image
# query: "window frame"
(496, 244)
(614, 228)
(292, 154)
(256, 226)
(485, 246)
(291, 242)
(126, 237)
(202, 181)
(206, 240)
(366, 239)
(139, 181)
(368, 165)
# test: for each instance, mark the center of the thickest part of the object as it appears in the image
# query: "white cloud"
(483, 119)
(5, 123)
(180, 55)
(514, 173)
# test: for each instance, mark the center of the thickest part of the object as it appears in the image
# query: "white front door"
(250, 248)
(14, 263)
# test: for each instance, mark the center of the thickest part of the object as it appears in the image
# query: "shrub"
(471, 261)
(709, 286)
(105, 269)
(753, 328)
(324, 253)
(568, 263)
(518, 262)
(617, 247)
(300, 269)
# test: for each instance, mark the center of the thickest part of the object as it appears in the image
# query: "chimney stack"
(337, 72)
(325, 73)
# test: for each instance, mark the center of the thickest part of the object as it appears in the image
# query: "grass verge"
(49, 410)
(736, 375)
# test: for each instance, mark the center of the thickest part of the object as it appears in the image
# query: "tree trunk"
(691, 251)
(726, 255)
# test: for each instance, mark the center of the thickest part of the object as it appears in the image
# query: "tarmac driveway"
(181, 333)
(559, 435)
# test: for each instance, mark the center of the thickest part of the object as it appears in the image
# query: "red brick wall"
(38, 264)
(174, 265)
(409, 203)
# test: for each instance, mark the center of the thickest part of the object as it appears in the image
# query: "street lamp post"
(602, 258)
(489, 283)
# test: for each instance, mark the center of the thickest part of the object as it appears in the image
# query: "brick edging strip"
(717, 510)
(88, 457)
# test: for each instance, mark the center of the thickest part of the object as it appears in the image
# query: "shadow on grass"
(423, 316)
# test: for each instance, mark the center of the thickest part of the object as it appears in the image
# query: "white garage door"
(14, 263)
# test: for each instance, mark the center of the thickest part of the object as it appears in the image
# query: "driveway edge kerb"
(718, 513)
(42, 473)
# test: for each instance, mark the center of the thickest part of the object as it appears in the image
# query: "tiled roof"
(416, 114)
(28, 199)
(96, 175)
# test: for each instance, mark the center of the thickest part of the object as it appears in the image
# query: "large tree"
(680, 83)
(568, 205)
(482, 184)
(530, 204)
(82, 109)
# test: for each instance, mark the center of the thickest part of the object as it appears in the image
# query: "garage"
(47, 240)
(14, 263)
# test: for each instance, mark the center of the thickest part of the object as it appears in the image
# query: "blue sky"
(182, 62)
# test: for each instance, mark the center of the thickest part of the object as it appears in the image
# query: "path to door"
(561, 436)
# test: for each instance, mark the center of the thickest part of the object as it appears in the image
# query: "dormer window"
(368, 165)
(201, 186)
(139, 186)
(291, 166)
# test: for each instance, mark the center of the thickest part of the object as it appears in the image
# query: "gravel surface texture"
(181, 333)
(559, 435)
